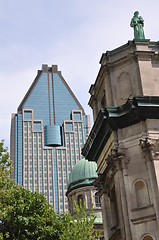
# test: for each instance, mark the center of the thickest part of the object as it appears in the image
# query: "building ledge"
(143, 219)
(113, 118)
(142, 208)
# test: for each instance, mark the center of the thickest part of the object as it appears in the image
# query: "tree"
(79, 226)
(28, 216)
(23, 214)
(4, 157)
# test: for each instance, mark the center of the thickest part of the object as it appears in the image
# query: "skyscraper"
(47, 134)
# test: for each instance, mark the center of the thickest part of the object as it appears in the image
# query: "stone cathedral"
(124, 140)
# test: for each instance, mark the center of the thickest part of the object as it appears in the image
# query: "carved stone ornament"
(101, 185)
(150, 146)
(117, 159)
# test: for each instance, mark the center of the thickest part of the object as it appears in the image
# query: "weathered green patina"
(84, 173)
(113, 118)
(137, 22)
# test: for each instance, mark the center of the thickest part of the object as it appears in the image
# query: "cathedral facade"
(124, 141)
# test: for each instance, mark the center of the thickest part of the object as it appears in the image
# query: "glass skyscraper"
(47, 134)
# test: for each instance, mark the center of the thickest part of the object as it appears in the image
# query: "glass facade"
(38, 166)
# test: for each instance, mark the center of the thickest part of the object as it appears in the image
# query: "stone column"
(105, 206)
(148, 147)
(118, 159)
(105, 215)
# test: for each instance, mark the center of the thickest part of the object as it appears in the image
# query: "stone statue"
(137, 22)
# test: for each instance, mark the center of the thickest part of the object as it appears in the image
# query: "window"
(147, 238)
(77, 116)
(37, 126)
(28, 115)
(68, 126)
(80, 200)
(141, 192)
(97, 200)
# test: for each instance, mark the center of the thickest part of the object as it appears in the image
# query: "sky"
(72, 34)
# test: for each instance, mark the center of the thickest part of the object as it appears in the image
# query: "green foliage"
(80, 226)
(4, 157)
(5, 167)
(23, 214)
(28, 216)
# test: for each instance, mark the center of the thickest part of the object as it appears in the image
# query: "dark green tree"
(23, 214)
(28, 216)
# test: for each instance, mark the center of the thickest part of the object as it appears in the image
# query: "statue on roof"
(137, 22)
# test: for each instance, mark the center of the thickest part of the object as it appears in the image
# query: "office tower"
(47, 134)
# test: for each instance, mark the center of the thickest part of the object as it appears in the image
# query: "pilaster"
(150, 151)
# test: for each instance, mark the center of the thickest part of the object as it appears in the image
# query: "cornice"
(143, 50)
(80, 184)
(111, 119)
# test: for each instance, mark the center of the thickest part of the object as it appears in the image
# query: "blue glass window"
(77, 116)
(27, 115)
(37, 126)
(69, 126)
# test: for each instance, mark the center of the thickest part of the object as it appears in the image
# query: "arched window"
(97, 200)
(80, 200)
(147, 238)
(142, 197)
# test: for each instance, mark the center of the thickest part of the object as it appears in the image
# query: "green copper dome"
(84, 173)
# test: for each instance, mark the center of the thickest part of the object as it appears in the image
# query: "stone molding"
(115, 161)
(111, 119)
(150, 146)
(144, 219)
